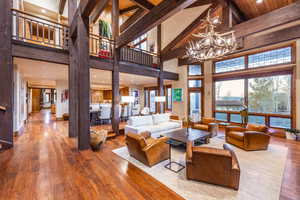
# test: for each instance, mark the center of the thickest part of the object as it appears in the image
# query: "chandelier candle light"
(212, 44)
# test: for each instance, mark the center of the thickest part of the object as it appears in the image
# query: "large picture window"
(229, 95)
(268, 100)
(270, 95)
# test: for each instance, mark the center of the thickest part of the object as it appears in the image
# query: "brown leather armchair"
(211, 165)
(146, 149)
(253, 137)
(208, 124)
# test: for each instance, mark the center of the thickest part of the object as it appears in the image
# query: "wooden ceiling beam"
(86, 7)
(98, 10)
(236, 11)
(133, 19)
(188, 31)
(144, 4)
(156, 16)
(61, 6)
(129, 9)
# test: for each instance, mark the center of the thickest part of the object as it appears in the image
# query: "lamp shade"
(160, 99)
(127, 99)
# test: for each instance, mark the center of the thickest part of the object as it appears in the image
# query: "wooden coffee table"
(189, 134)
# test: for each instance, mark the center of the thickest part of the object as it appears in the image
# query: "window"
(195, 70)
(229, 95)
(141, 42)
(273, 57)
(280, 122)
(235, 118)
(195, 106)
(230, 65)
(221, 116)
(195, 83)
(256, 119)
(270, 95)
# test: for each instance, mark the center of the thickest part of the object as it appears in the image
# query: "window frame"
(268, 71)
(195, 89)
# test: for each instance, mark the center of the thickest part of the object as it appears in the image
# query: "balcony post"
(6, 76)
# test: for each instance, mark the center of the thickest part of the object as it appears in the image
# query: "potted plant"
(292, 134)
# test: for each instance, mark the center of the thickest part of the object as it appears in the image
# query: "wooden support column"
(73, 81)
(160, 79)
(6, 76)
(116, 70)
(83, 77)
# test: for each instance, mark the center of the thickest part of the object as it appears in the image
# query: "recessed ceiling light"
(259, 1)
(43, 11)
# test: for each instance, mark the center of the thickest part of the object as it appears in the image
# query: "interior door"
(36, 103)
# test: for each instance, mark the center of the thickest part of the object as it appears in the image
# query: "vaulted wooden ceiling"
(252, 9)
(249, 8)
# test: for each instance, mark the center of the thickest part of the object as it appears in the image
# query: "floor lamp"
(160, 100)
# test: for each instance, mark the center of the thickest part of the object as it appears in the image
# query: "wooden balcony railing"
(34, 29)
(139, 56)
(37, 30)
(101, 47)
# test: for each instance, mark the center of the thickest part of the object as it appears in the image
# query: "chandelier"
(212, 44)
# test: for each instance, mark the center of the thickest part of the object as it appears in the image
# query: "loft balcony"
(32, 29)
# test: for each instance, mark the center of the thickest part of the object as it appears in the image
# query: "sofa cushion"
(138, 121)
(168, 126)
(236, 135)
(161, 118)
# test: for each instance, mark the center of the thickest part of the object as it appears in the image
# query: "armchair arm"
(189, 151)
(155, 143)
(212, 151)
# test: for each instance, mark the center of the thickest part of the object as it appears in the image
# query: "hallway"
(45, 164)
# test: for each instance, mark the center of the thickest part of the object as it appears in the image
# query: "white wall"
(208, 89)
(61, 107)
(20, 106)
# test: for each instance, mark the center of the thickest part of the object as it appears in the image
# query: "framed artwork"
(177, 95)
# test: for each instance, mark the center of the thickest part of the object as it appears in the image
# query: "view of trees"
(270, 94)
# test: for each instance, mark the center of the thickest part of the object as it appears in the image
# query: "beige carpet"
(261, 175)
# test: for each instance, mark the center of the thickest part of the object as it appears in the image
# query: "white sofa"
(157, 124)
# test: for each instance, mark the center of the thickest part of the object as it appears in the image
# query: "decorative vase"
(290, 136)
(97, 139)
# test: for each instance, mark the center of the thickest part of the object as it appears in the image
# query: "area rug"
(261, 174)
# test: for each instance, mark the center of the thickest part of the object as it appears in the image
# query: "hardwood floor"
(44, 164)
